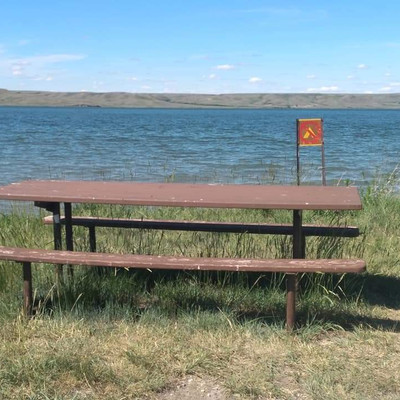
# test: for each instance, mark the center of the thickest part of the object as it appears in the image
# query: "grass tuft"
(133, 334)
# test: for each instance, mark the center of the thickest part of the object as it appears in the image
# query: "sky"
(193, 46)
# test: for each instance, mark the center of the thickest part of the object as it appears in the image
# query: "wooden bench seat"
(290, 266)
(179, 262)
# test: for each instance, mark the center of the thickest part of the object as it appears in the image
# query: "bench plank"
(180, 262)
(206, 226)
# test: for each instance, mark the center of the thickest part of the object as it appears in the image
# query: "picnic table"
(50, 194)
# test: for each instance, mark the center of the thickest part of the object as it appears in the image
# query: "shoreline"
(202, 101)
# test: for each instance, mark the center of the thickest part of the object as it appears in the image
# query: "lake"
(212, 145)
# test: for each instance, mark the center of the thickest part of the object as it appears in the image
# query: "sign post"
(310, 133)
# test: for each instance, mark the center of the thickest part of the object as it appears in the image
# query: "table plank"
(185, 195)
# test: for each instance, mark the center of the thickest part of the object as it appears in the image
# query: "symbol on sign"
(309, 132)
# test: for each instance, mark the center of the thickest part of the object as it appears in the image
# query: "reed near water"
(127, 334)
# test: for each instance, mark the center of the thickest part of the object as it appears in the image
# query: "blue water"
(230, 146)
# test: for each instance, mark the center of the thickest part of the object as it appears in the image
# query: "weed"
(131, 334)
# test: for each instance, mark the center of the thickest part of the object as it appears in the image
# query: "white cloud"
(311, 76)
(225, 67)
(23, 42)
(47, 59)
(362, 66)
(255, 79)
(43, 78)
(54, 58)
(329, 88)
(393, 44)
(35, 67)
(392, 86)
(350, 76)
(324, 89)
(97, 85)
(41, 60)
(212, 76)
(17, 70)
(288, 13)
(273, 11)
(199, 57)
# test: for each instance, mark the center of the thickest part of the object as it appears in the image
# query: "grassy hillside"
(259, 100)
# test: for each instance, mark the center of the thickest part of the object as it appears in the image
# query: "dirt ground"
(194, 388)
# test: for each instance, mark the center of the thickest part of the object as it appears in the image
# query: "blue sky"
(233, 46)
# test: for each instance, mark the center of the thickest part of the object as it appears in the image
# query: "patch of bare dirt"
(195, 388)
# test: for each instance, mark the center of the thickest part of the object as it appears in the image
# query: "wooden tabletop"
(185, 195)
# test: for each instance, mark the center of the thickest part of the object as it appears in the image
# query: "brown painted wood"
(186, 195)
(291, 287)
(207, 226)
(179, 262)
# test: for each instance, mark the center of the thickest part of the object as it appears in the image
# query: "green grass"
(133, 334)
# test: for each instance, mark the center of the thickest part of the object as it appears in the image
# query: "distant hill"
(139, 100)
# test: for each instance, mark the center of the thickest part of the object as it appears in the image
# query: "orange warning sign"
(309, 132)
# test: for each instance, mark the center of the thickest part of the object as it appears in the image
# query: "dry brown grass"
(146, 339)
(71, 358)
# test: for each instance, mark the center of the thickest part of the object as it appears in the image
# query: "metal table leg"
(69, 233)
(291, 279)
(57, 234)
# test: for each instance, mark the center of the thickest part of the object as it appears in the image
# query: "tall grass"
(132, 334)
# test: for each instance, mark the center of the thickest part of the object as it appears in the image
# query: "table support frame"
(28, 297)
(291, 279)
(55, 209)
(69, 242)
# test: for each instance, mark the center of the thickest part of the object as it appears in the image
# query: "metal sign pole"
(323, 164)
(297, 154)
